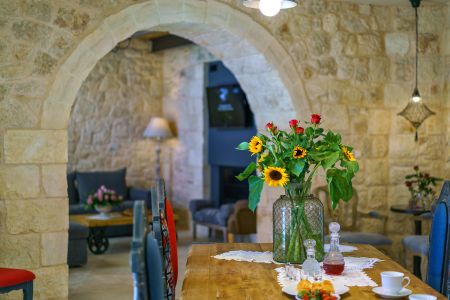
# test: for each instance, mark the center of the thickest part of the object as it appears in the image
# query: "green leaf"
(330, 160)
(351, 166)
(242, 146)
(309, 131)
(339, 186)
(247, 172)
(298, 167)
(255, 186)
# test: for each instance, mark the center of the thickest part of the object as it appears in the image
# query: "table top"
(210, 278)
(116, 219)
(406, 209)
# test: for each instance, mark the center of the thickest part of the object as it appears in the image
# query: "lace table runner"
(265, 257)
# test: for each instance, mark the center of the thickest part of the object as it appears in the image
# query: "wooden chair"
(162, 236)
(242, 221)
(17, 279)
(347, 215)
(439, 252)
(145, 258)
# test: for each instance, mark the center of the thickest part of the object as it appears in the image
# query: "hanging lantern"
(416, 112)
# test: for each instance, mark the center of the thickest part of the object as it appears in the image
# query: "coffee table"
(97, 242)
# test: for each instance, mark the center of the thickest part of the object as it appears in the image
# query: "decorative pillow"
(167, 260)
(173, 239)
(72, 191)
(90, 182)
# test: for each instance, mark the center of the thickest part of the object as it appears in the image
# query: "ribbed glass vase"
(297, 216)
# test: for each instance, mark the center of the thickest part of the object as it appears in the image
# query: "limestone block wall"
(186, 171)
(346, 61)
(112, 108)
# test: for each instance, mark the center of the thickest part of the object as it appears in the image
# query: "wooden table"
(209, 278)
(98, 243)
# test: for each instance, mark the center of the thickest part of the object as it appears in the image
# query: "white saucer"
(389, 295)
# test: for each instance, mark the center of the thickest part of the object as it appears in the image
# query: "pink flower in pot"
(89, 200)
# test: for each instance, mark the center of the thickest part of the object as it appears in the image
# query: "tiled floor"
(108, 276)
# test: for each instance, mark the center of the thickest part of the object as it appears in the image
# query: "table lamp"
(158, 129)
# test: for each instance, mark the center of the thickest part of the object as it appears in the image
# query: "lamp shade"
(158, 128)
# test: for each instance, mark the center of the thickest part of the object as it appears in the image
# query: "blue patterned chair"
(145, 258)
(439, 251)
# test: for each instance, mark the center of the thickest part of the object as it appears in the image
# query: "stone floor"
(108, 276)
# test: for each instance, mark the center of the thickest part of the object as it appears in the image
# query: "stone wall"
(113, 107)
(351, 59)
(186, 173)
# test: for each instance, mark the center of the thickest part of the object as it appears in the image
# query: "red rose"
(299, 130)
(315, 119)
(269, 126)
(293, 123)
(408, 183)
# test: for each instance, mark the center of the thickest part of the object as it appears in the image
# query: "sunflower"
(262, 157)
(348, 154)
(299, 152)
(255, 145)
(274, 176)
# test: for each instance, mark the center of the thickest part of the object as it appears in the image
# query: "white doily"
(353, 274)
(265, 257)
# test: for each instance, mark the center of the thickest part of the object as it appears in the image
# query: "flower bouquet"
(290, 159)
(421, 186)
(103, 200)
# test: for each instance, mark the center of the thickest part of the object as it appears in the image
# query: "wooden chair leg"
(28, 291)
(230, 238)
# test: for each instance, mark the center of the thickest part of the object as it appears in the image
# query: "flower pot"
(297, 218)
(104, 211)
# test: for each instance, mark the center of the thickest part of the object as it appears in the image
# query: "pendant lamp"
(270, 8)
(416, 111)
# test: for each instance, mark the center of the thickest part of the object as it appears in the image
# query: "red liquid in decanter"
(333, 269)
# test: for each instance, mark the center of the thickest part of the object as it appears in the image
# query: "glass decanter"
(334, 263)
(311, 267)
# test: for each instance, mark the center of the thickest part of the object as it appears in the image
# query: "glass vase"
(297, 216)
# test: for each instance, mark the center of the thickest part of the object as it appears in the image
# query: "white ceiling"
(395, 2)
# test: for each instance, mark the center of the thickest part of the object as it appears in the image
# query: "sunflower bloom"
(255, 145)
(262, 157)
(348, 154)
(275, 177)
(299, 152)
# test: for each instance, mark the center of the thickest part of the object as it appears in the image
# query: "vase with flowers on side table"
(103, 201)
(291, 159)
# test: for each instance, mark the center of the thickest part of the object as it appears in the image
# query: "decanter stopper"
(334, 262)
(311, 267)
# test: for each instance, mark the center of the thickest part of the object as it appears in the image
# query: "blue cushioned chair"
(439, 251)
(145, 259)
(348, 211)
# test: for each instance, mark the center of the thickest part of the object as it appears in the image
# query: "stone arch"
(263, 67)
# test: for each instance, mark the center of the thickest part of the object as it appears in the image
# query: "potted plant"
(421, 186)
(291, 159)
(103, 201)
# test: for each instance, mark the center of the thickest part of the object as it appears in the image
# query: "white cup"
(422, 297)
(392, 282)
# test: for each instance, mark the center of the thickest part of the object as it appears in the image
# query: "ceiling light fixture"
(270, 8)
(416, 111)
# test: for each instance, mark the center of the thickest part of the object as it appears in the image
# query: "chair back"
(161, 234)
(242, 220)
(346, 214)
(439, 253)
(145, 258)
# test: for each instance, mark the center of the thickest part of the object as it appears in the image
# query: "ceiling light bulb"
(270, 8)
(416, 96)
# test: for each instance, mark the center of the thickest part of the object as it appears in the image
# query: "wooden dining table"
(210, 278)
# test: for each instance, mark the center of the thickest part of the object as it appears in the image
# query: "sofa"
(82, 184)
